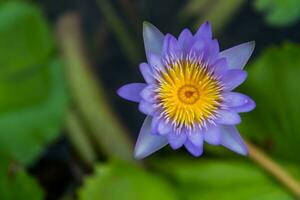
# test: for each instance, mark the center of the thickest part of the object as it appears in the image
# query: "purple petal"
(176, 140)
(220, 67)
(153, 39)
(228, 117)
(246, 107)
(213, 135)
(146, 107)
(204, 31)
(232, 140)
(171, 47)
(156, 62)
(233, 78)
(193, 149)
(148, 93)
(198, 47)
(238, 56)
(211, 51)
(185, 41)
(148, 143)
(238, 102)
(155, 122)
(131, 91)
(196, 138)
(163, 127)
(147, 72)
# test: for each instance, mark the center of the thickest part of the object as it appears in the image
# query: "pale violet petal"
(164, 127)
(238, 102)
(238, 56)
(193, 149)
(153, 39)
(131, 91)
(147, 72)
(148, 93)
(156, 62)
(204, 31)
(196, 138)
(146, 107)
(176, 140)
(228, 117)
(185, 41)
(233, 78)
(148, 143)
(232, 140)
(246, 107)
(213, 135)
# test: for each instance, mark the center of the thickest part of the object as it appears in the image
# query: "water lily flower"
(188, 96)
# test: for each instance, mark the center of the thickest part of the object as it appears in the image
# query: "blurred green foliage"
(33, 97)
(16, 184)
(181, 178)
(29, 129)
(26, 41)
(119, 180)
(279, 12)
(220, 179)
(273, 82)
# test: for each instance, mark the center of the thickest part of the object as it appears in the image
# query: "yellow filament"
(188, 93)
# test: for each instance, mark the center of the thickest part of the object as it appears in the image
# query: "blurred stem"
(88, 95)
(79, 139)
(274, 169)
(128, 44)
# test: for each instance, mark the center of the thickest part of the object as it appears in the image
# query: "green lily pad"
(220, 179)
(119, 180)
(26, 131)
(32, 88)
(26, 41)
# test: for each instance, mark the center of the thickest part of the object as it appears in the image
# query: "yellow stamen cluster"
(188, 93)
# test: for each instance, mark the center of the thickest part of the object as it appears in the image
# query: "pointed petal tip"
(131, 91)
(153, 39)
(238, 56)
(232, 140)
(245, 152)
(251, 46)
(147, 143)
(139, 155)
(194, 150)
(207, 23)
(147, 24)
(205, 30)
(149, 27)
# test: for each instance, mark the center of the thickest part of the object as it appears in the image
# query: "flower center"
(188, 93)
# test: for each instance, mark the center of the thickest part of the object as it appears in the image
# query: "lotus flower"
(188, 96)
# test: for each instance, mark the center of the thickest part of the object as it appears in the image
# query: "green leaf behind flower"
(119, 180)
(220, 179)
(25, 132)
(279, 12)
(273, 82)
(26, 41)
(32, 88)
